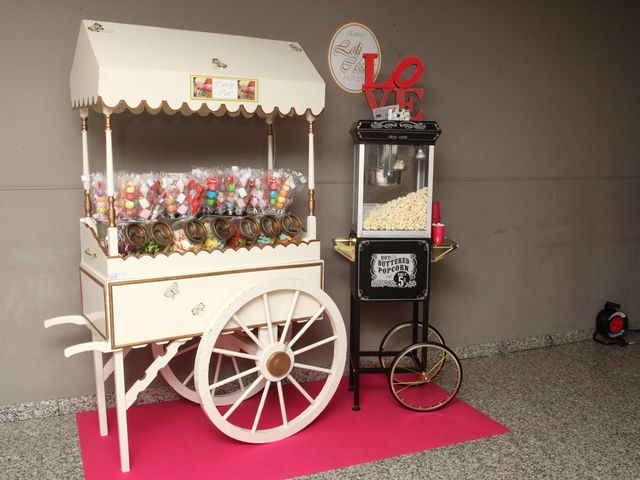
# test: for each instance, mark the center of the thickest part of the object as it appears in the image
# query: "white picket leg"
(109, 364)
(98, 371)
(121, 409)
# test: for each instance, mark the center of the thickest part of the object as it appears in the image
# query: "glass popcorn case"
(393, 175)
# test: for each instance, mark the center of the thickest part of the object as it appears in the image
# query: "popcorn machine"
(391, 250)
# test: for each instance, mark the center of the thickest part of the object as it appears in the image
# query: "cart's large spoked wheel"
(179, 373)
(400, 337)
(316, 351)
(425, 376)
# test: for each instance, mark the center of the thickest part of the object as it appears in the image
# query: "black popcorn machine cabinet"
(391, 251)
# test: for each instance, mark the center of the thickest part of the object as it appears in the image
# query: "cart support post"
(355, 353)
(121, 410)
(112, 233)
(352, 337)
(431, 154)
(98, 370)
(311, 219)
(270, 159)
(86, 181)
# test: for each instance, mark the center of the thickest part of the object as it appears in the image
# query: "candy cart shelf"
(242, 315)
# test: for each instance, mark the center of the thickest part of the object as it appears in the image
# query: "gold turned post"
(112, 212)
(312, 202)
(87, 204)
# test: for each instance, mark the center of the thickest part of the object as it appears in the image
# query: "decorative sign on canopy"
(345, 56)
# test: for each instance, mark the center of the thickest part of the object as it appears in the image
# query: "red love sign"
(405, 95)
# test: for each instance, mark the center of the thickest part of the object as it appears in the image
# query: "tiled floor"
(574, 412)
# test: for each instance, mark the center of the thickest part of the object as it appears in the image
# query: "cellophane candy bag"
(282, 184)
(145, 196)
(176, 201)
(257, 199)
(125, 195)
(242, 191)
(98, 192)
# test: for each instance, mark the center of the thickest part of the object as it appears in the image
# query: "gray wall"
(537, 168)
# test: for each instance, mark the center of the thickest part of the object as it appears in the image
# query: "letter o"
(404, 65)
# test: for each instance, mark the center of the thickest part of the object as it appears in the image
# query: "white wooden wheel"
(180, 377)
(317, 346)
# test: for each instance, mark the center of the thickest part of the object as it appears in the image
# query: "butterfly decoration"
(198, 309)
(172, 291)
(96, 27)
(218, 63)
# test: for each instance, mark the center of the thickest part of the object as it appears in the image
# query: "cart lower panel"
(152, 310)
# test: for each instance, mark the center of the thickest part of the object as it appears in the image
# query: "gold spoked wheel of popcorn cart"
(425, 376)
(422, 376)
(247, 332)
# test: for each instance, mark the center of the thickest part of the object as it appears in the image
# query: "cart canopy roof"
(119, 66)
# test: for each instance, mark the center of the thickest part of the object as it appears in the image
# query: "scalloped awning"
(139, 68)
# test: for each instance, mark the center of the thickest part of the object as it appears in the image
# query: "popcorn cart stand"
(256, 319)
(391, 251)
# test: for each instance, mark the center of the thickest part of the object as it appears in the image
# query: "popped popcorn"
(403, 213)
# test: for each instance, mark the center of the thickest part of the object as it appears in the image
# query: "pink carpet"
(176, 440)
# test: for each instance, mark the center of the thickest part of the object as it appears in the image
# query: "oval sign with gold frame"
(345, 52)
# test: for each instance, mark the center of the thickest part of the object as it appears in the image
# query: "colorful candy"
(212, 192)
(285, 182)
(176, 194)
(145, 197)
(99, 197)
(230, 191)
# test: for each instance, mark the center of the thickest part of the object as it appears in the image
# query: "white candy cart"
(256, 321)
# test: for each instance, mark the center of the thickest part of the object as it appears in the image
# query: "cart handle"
(103, 347)
(66, 319)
